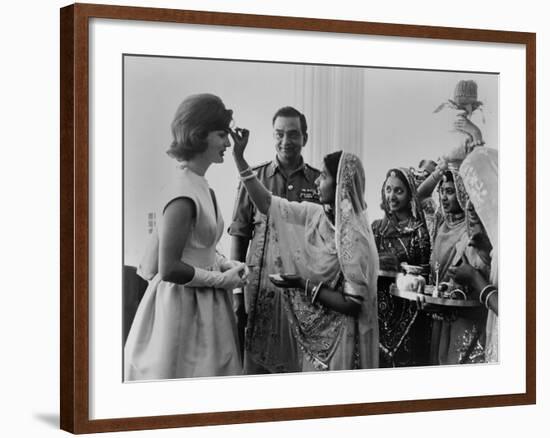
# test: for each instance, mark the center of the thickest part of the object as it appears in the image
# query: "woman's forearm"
(492, 303)
(176, 272)
(334, 300)
(260, 196)
(427, 187)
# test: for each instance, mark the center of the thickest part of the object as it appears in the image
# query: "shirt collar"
(274, 166)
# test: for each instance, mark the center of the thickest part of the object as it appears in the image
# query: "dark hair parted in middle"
(331, 163)
(195, 118)
(397, 173)
(288, 111)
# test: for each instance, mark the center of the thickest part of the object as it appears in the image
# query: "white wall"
(30, 183)
(154, 88)
(398, 125)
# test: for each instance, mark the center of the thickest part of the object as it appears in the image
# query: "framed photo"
(394, 98)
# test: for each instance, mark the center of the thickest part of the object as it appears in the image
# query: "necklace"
(454, 218)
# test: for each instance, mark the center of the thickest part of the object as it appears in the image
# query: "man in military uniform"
(269, 345)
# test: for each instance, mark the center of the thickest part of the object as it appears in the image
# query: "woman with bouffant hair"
(184, 326)
(196, 116)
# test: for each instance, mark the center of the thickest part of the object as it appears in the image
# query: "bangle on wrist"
(316, 291)
(486, 290)
(306, 288)
(243, 172)
(494, 291)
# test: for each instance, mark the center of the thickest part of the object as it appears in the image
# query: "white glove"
(230, 279)
(228, 264)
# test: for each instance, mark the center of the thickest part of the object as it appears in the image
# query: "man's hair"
(288, 111)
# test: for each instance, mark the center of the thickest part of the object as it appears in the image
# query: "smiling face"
(449, 202)
(396, 194)
(218, 142)
(326, 187)
(289, 138)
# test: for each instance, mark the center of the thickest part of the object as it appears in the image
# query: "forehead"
(447, 185)
(287, 124)
(394, 181)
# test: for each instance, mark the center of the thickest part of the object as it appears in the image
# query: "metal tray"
(428, 299)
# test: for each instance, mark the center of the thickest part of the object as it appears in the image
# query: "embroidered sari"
(457, 336)
(479, 172)
(404, 331)
(344, 257)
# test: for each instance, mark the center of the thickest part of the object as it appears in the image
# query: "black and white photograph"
(289, 218)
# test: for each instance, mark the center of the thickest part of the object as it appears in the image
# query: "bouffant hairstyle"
(197, 116)
(288, 111)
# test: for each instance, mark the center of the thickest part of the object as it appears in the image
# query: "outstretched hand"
(240, 140)
(287, 281)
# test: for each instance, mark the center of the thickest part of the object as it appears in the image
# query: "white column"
(332, 99)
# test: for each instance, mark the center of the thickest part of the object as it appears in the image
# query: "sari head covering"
(355, 243)
(451, 237)
(479, 172)
(461, 192)
(343, 256)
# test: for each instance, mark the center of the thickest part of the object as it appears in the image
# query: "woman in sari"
(401, 237)
(330, 251)
(457, 335)
(184, 325)
(479, 172)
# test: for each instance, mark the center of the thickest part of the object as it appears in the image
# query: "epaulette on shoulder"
(310, 167)
(261, 165)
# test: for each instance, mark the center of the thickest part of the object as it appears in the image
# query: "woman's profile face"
(396, 194)
(218, 142)
(449, 202)
(476, 231)
(326, 187)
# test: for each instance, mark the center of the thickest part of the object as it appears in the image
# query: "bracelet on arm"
(245, 171)
(494, 291)
(485, 291)
(437, 174)
(306, 288)
(316, 291)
